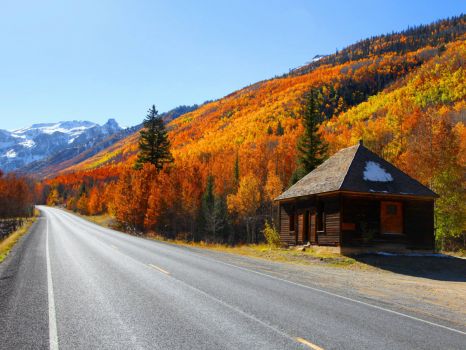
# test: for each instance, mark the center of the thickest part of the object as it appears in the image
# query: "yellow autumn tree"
(53, 198)
(246, 203)
(82, 205)
(273, 186)
(272, 189)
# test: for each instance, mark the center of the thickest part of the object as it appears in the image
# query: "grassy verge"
(459, 254)
(262, 251)
(7, 244)
(102, 220)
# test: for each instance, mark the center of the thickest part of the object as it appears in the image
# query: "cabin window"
(320, 217)
(391, 209)
(291, 217)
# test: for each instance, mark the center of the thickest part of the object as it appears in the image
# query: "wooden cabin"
(357, 202)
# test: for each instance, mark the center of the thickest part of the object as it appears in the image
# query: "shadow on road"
(437, 268)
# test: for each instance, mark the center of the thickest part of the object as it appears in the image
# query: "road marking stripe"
(159, 269)
(53, 336)
(308, 344)
(116, 248)
(335, 295)
(286, 281)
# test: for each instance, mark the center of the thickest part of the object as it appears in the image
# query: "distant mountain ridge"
(21, 147)
(44, 149)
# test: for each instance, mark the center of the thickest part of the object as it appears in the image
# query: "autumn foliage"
(407, 104)
(16, 196)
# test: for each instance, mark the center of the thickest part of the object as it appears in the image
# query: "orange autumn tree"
(154, 207)
(131, 195)
(95, 204)
(16, 198)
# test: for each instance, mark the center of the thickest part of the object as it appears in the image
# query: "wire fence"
(7, 226)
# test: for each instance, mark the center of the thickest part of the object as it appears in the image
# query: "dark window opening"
(320, 217)
(391, 209)
(291, 217)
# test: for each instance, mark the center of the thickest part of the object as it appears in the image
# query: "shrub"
(271, 235)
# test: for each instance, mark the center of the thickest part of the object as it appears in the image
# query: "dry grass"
(459, 254)
(264, 251)
(8, 243)
(102, 220)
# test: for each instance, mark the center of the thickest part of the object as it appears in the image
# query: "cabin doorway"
(312, 228)
(309, 228)
(306, 227)
(391, 218)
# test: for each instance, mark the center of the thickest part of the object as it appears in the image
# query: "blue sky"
(100, 59)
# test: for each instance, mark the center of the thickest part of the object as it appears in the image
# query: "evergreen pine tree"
(297, 175)
(236, 170)
(214, 212)
(312, 150)
(269, 130)
(208, 196)
(280, 131)
(154, 146)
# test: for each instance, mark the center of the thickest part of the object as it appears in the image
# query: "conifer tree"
(312, 150)
(236, 170)
(214, 211)
(280, 131)
(154, 146)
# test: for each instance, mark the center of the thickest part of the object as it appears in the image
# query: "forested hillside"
(403, 94)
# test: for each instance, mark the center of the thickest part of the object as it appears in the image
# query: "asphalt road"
(70, 284)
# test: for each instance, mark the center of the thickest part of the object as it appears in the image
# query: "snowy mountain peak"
(318, 58)
(66, 127)
(39, 141)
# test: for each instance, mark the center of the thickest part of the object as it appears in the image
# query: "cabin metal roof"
(357, 169)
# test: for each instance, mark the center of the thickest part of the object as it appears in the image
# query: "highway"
(70, 284)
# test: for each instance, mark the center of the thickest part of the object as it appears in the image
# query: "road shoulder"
(23, 292)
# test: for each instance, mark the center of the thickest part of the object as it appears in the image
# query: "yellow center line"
(159, 269)
(309, 344)
(116, 248)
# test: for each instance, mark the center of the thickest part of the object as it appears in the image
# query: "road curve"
(70, 284)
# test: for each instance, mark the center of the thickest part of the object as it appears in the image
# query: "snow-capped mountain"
(18, 148)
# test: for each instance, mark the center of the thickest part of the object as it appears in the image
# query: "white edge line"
(53, 336)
